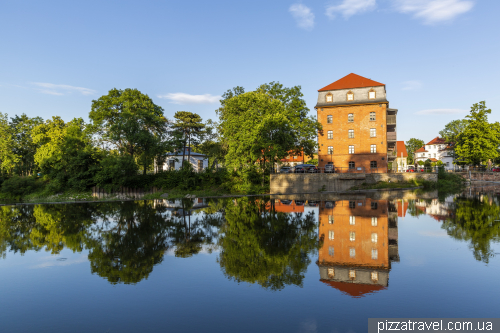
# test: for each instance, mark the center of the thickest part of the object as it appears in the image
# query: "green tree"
(211, 144)
(479, 141)
(413, 145)
(25, 148)
(129, 121)
(8, 156)
(453, 129)
(191, 126)
(256, 129)
(66, 153)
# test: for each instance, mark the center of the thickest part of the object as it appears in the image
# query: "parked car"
(313, 169)
(302, 168)
(285, 169)
(496, 169)
(329, 204)
(329, 168)
(299, 202)
(286, 202)
(410, 168)
(312, 203)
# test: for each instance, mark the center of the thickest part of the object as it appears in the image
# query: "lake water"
(321, 263)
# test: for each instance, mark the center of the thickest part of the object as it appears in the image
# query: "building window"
(330, 235)
(331, 251)
(350, 117)
(374, 254)
(371, 94)
(351, 151)
(200, 165)
(352, 236)
(330, 150)
(373, 164)
(331, 273)
(373, 149)
(329, 135)
(329, 98)
(374, 205)
(374, 221)
(374, 276)
(374, 237)
(352, 218)
(352, 165)
(329, 119)
(351, 134)
(330, 219)
(373, 132)
(350, 96)
(352, 254)
(372, 116)
(352, 204)
(171, 165)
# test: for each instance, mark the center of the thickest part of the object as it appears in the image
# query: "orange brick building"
(359, 242)
(359, 128)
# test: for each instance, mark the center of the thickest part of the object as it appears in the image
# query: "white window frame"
(329, 135)
(373, 149)
(350, 134)
(373, 132)
(351, 149)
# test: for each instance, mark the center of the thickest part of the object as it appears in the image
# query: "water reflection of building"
(360, 240)
(436, 209)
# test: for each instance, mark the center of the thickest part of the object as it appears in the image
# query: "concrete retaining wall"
(481, 176)
(337, 182)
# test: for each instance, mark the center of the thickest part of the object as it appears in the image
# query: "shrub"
(16, 186)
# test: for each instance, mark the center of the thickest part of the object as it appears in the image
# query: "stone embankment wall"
(481, 176)
(337, 182)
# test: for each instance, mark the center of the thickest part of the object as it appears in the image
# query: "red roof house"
(351, 81)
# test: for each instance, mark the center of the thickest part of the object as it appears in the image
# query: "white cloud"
(350, 7)
(411, 85)
(440, 111)
(434, 11)
(303, 16)
(61, 89)
(182, 98)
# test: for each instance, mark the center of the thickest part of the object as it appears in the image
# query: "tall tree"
(411, 146)
(453, 129)
(130, 121)
(22, 127)
(191, 126)
(8, 157)
(479, 141)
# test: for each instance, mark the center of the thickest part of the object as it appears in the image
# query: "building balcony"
(391, 119)
(391, 136)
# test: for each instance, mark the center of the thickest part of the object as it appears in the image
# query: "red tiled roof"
(437, 141)
(433, 159)
(351, 81)
(421, 150)
(354, 289)
(401, 148)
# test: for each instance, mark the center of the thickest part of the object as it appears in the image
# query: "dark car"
(313, 169)
(299, 202)
(299, 169)
(286, 202)
(312, 203)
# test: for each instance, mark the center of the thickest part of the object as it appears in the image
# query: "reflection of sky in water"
(437, 276)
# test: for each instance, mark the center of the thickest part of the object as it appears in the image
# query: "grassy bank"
(387, 185)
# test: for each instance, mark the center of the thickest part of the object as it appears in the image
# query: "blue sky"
(436, 57)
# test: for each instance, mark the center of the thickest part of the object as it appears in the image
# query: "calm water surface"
(296, 264)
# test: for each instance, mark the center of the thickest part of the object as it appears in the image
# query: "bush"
(115, 171)
(16, 187)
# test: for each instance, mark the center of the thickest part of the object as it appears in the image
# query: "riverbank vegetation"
(128, 139)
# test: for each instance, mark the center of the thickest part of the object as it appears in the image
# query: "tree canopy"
(411, 146)
(479, 140)
(453, 129)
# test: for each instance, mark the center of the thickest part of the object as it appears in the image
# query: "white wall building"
(174, 161)
(436, 150)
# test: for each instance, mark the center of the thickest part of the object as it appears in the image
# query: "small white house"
(174, 160)
(436, 150)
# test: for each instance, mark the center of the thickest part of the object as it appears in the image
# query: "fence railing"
(348, 170)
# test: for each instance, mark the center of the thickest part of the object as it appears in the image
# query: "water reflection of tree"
(129, 242)
(265, 247)
(475, 221)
